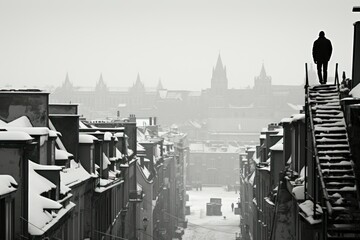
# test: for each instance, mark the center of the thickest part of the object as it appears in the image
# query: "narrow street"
(202, 227)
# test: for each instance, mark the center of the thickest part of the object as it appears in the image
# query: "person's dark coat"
(322, 50)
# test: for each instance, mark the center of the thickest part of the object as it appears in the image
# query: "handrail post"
(306, 131)
(306, 76)
(336, 76)
(314, 185)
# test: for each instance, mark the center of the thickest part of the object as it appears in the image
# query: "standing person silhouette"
(321, 52)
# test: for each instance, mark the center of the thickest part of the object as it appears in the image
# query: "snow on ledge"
(62, 154)
(74, 175)
(86, 138)
(14, 136)
(355, 92)
(39, 217)
(7, 184)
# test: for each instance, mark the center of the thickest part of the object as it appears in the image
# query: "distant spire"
(219, 82)
(67, 84)
(101, 80)
(159, 86)
(138, 79)
(219, 64)
(138, 85)
(262, 72)
(67, 77)
(263, 82)
(100, 85)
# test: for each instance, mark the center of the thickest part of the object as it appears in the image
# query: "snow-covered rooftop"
(40, 213)
(62, 154)
(74, 175)
(278, 146)
(86, 138)
(355, 92)
(14, 136)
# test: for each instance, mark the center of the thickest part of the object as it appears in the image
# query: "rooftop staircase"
(335, 170)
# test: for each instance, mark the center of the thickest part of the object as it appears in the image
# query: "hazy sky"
(177, 41)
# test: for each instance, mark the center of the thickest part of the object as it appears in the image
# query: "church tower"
(219, 81)
(262, 83)
(159, 86)
(100, 85)
(67, 85)
(138, 87)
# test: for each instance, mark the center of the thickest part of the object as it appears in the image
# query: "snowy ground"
(202, 227)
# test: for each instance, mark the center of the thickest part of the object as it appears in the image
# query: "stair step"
(342, 238)
(331, 135)
(326, 107)
(332, 158)
(331, 116)
(329, 125)
(322, 92)
(336, 171)
(324, 86)
(337, 185)
(322, 152)
(332, 146)
(324, 101)
(321, 120)
(336, 164)
(347, 177)
(325, 98)
(325, 140)
(343, 190)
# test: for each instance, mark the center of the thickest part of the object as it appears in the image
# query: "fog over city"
(175, 41)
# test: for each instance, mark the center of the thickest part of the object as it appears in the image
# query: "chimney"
(132, 118)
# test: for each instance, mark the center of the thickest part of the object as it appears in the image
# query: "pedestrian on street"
(232, 207)
(321, 52)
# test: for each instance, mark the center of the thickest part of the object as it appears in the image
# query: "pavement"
(202, 227)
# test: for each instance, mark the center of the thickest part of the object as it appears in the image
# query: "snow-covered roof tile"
(38, 216)
(73, 175)
(86, 138)
(106, 161)
(22, 121)
(298, 192)
(251, 178)
(14, 136)
(107, 136)
(62, 154)
(139, 147)
(308, 208)
(29, 130)
(7, 184)
(278, 146)
(355, 92)
(82, 125)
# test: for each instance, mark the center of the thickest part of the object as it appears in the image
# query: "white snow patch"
(22, 121)
(86, 138)
(355, 92)
(73, 175)
(7, 184)
(62, 154)
(14, 136)
(298, 191)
